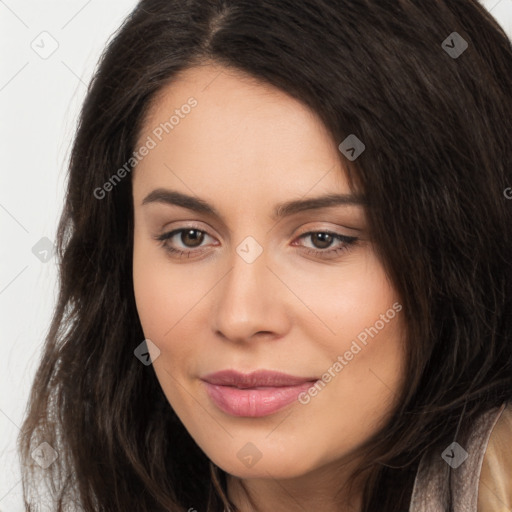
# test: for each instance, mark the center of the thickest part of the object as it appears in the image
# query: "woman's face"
(250, 284)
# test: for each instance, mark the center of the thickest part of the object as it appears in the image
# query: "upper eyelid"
(171, 233)
(185, 227)
(339, 236)
(197, 225)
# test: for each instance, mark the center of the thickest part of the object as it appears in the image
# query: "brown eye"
(322, 240)
(184, 242)
(192, 237)
(323, 243)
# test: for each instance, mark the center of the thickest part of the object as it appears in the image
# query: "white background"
(40, 100)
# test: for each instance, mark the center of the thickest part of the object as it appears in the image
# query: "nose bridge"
(247, 300)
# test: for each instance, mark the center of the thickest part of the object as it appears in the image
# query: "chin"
(271, 464)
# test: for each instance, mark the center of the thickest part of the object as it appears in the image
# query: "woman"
(286, 273)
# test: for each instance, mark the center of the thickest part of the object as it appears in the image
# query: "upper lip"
(258, 378)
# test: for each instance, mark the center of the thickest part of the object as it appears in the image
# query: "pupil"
(193, 236)
(325, 240)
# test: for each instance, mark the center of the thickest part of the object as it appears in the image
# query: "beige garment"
(495, 487)
(482, 482)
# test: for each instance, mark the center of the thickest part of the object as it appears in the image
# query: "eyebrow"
(281, 210)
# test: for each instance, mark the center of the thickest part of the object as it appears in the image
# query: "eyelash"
(348, 243)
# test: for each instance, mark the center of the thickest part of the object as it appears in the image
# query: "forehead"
(240, 131)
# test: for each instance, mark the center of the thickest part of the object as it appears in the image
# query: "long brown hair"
(435, 117)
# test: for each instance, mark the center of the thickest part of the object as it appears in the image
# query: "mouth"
(255, 394)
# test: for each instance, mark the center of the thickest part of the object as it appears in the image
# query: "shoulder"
(473, 474)
(495, 485)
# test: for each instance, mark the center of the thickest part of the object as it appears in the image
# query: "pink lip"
(255, 394)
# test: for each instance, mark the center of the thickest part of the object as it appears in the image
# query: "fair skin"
(245, 148)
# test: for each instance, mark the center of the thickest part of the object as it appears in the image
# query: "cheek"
(343, 299)
(160, 296)
(149, 290)
(162, 303)
(168, 297)
(157, 290)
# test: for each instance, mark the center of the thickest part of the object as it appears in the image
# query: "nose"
(250, 302)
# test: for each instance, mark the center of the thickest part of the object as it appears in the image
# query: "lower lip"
(254, 402)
